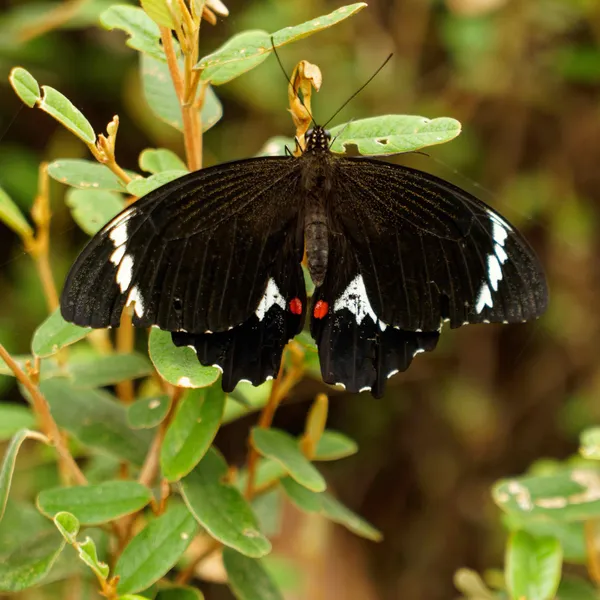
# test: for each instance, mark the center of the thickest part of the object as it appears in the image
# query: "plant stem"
(52, 20)
(188, 573)
(47, 422)
(124, 345)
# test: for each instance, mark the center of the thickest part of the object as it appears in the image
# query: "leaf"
(89, 555)
(159, 12)
(55, 333)
(25, 86)
(283, 448)
(30, 562)
(247, 578)
(246, 398)
(65, 112)
(11, 215)
(180, 593)
(68, 525)
(533, 566)
(157, 160)
(95, 504)
(154, 551)
(96, 419)
(267, 472)
(92, 209)
(334, 445)
(162, 99)
(192, 431)
(221, 509)
(590, 443)
(8, 466)
(14, 418)
(147, 413)
(178, 366)
(303, 498)
(248, 49)
(574, 588)
(97, 371)
(393, 134)
(141, 187)
(144, 34)
(569, 495)
(85, 174)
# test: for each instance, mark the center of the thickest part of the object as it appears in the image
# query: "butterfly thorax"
(316, 183)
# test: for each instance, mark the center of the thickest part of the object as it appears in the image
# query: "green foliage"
(248, 578)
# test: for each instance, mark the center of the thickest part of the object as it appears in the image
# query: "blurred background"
(523, 77)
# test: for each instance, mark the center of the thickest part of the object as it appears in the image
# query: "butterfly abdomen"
(316, 241)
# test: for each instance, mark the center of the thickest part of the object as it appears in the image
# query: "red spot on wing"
(321, 309)
(296, 306)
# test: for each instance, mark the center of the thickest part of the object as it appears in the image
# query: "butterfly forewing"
(193, 255)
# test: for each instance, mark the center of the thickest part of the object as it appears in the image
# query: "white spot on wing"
(125, 272)
(271, 297)
(418, 351)
(494, 271)
(119, 234)
(355, 299)
(135, 296)
(367, 388)
(392, 373)
(484, 298)
(117, 255)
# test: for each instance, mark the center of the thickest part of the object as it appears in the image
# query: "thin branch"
(48, 424)
(124, 345)
(52, 20)
(188, 573)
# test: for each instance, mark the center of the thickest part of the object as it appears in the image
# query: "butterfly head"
(317, 139)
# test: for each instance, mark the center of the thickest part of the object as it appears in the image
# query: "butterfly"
(215, 258)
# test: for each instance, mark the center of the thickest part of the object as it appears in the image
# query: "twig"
(124, 345)
(188, 573)
(47, 422)
(52, 20)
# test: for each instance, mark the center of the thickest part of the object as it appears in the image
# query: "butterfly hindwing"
(193, 255)
(429, 251)
(356, 349)
(252, 351)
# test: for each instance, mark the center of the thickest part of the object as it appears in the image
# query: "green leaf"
(334, 445)
(95, 504)
(157, 160)
(96, 419)
(533, 566)
(568, 495)
(338, 513)
(192, 431)
(393, 134)
(55, 333)
(159, 12)
(100, 370)
(143, 32)
(267, 472)
(8, 466)
(68, 525)
(14, 418)
(154, 551)
(25, 86)
(246, 398)
(30, 562)
(178, 366)
(92, 209)
(180, 593)
(248, 49)
(283, 448)
(65, 112)
(141, 187)
(574, 588)
(89, 555)
(590, 443)
(247, 578)
(147, 413)
(303, 498)
(162, 99)
(276, 146)
(221, 509)
(85, 174)
(11, 215)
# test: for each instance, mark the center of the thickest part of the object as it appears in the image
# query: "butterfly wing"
(201, 254)
(422, 252)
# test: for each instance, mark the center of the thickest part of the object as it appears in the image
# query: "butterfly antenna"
(358, 91)
(289, 81)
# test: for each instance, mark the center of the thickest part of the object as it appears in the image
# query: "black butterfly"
(215, 258)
